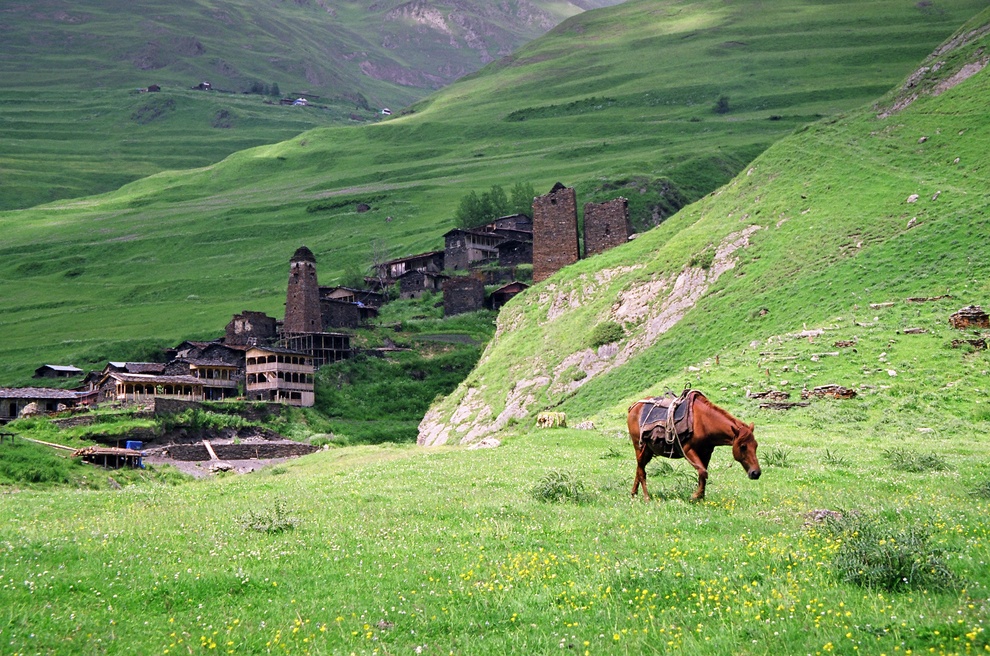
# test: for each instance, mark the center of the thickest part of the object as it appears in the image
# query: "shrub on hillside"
(606, 332)
(271, 520)
(912, 461)
(559, 486)
(874, 554)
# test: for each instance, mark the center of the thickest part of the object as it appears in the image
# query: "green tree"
(274, 90)
(721, 105)
(469, 212)
(498, 203)
(521, 201)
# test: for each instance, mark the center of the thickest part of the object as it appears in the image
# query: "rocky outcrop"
(651, 307)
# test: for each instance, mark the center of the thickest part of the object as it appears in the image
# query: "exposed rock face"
(654, 306)
(937, 75)
(489, 30)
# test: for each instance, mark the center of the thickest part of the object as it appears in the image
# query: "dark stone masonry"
(302, 303)
(555, 231)
(606, 225)
(462, 294)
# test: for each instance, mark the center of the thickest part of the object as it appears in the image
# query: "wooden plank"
(209, 447)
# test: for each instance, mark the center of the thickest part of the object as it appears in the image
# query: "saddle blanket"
(653, 421)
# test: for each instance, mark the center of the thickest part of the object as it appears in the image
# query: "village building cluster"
(263, 359)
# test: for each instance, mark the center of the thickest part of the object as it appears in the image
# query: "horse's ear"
(752, 427)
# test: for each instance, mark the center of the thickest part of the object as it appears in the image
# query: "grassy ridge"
(70, 128)
(174, 255)
(58, 144)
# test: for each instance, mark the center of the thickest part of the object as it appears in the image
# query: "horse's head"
(744, 450)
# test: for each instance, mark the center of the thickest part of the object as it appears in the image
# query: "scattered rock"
(922, 140)
(784, 405)
(844, 343)
(833, 391)
(487, 443)
(818, 516)
(771, 395)
(586, 425)
(551, 420)
(914, 331)
(913, 198)
(971, 316)
(980, 344)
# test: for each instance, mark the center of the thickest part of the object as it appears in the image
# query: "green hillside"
(613, 102)
(72, 123)
(821, 232)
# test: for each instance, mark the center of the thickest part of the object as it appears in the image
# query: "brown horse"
(712, 427)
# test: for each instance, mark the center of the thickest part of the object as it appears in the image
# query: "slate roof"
(37, 393)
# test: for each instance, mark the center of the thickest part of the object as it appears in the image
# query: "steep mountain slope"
(73, 124)
(615, 102)
(885, 204)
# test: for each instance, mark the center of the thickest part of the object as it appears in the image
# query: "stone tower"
(606, 225)
(555, 231)
(302, 301)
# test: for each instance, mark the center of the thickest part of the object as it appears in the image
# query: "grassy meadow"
(865, 535)
(612, 102)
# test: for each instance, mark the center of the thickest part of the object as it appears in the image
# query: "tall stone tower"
(555, 231)
(302, 301)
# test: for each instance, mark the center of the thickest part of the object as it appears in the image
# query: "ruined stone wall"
(462, 294)
(606, 225)
(250, 328)
(198, 452)
(513, 253)
(456, 254)
(340, 314)
(555, 232)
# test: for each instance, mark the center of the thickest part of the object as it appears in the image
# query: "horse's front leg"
(643, 457)
(700, 465)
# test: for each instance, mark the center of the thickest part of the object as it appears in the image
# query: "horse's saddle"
(667, 417)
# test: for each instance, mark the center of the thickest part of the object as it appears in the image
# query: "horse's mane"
(722, 411)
